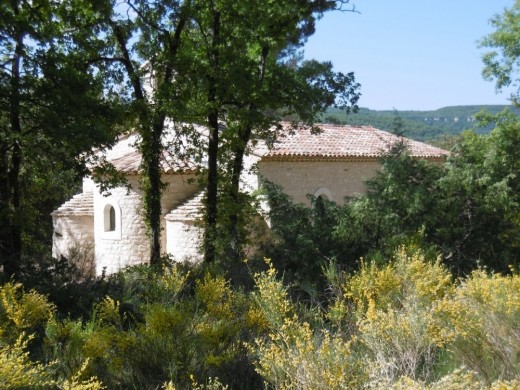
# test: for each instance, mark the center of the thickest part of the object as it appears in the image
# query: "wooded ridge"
(420, 125)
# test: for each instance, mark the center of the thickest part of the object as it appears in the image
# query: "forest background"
(413, 284)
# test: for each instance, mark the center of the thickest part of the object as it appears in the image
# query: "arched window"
(321, 195)
(110, 218)
(111, 226)
(320, 206)
(323, 192)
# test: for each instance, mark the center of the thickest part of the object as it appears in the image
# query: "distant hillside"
(418, 125)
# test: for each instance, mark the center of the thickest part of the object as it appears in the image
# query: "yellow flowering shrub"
(457, 380)
(397, 342)
(226, 316)
(22, 311)
(108, 312)
(271, 297)
(294, 356)
(393, 305)
(76, 383)
(164, 338)
(213, 384)
(216, 296)
(17, 371)
(173, 280)
(408, 276)
(481, 325)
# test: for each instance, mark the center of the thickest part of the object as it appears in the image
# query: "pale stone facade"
(333, 164)
(126, 243)
(332, 179)
(183, 230)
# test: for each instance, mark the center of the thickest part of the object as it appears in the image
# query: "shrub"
(22, 312)
(481, 325)
(393, 306)
(17, 371)
(294, 356)
(156, 330)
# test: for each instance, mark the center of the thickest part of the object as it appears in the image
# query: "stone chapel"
(334, 163)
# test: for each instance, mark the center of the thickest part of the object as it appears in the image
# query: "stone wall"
(184, 240)
(180, 188)
(339, 179)
(181, 237)
(71, 233)
(129, 244)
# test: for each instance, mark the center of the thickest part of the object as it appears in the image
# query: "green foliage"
(401, 196)
(304, 239)
(156, 329)
(52, 113)
(395, 211)
(501, 63)
(466, 208)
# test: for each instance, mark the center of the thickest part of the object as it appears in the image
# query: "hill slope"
(418, 125)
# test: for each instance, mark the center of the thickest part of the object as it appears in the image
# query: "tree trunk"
(151, 128)
(12, 241)
(234, 228)
(244, 136)
(212, 191)
(151, 149)
(213, 146)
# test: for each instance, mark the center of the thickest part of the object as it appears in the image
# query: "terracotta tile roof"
(332, 143)
(344, 142)
(130, 163)
(126, 158)
(190, 210)
(81, 204)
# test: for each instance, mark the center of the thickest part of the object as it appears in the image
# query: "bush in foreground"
(404, 324)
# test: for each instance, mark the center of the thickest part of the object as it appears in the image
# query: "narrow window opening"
(110, 218)
(111, 221)
(320, 207)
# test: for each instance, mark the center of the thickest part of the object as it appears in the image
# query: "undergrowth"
(404, 324)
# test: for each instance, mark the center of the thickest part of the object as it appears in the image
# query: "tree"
(502, 64)
(133, 45)
(482, 184)
(47, 106)
(211, 62)
(247, 69)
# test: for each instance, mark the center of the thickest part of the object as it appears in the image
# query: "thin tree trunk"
(12, 246)
(151, 149)
(213, 145)
(244, 137)
(235, 244)
(151, 130)
(212, 190)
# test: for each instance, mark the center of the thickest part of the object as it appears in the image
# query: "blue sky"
(411, 54)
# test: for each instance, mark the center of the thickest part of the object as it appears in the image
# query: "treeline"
(420, 125)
